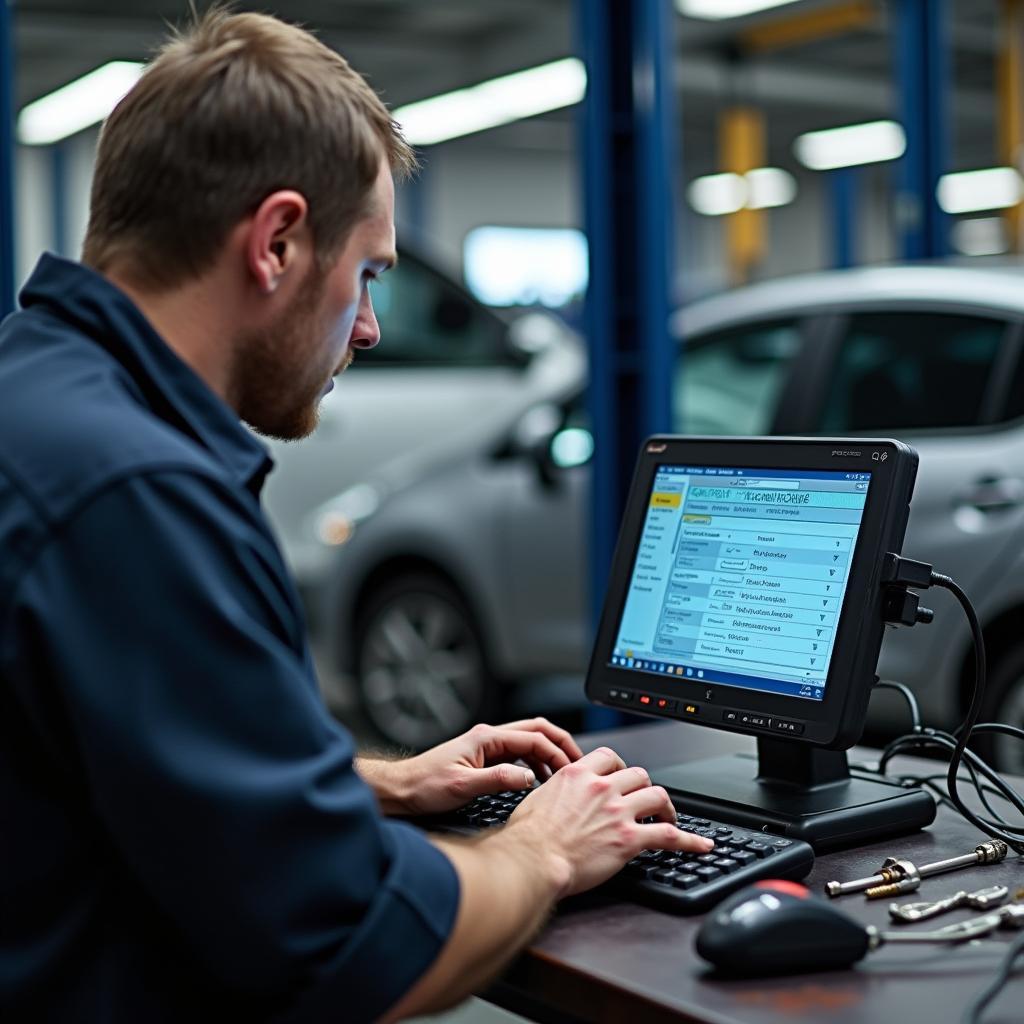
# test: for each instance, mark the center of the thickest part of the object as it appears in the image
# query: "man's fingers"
(661, 835)
(650, 802)
(560, 737)
(603, 761)
(534, 747)
(497, 779)
(629, 780)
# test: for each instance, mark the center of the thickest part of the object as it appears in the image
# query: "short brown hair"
(231, 109)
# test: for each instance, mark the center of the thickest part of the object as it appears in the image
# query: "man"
(185, 834)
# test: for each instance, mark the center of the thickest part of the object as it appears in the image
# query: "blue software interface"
(740, 576)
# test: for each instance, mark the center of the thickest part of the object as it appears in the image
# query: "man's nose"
(366, 330)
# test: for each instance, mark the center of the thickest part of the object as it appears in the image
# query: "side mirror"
(553, 448)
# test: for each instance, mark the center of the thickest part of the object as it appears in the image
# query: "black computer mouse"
(777, 927)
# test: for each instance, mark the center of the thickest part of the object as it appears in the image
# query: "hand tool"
(898, 875)
(981, 899)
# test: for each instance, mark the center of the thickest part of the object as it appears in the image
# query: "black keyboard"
(680, 883)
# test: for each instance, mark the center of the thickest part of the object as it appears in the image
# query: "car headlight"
(334, 522)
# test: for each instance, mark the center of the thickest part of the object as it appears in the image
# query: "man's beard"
(277, 379)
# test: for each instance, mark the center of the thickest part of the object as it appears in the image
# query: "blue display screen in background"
(740, 576)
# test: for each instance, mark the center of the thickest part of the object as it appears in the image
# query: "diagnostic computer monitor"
(746, 594)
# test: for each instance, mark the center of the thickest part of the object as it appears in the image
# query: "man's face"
(287, 367)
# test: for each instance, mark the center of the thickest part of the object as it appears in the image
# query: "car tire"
(1004, 702)
(421, 671)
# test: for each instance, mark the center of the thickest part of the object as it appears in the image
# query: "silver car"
(454, 575)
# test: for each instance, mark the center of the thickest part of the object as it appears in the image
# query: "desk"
(606, 961)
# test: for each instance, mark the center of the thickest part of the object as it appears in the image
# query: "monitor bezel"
(837, 720)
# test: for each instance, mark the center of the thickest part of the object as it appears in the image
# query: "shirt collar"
(173, 390)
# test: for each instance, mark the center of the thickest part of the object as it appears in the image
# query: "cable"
(972, 1014)
(908, 694)
(973, 712)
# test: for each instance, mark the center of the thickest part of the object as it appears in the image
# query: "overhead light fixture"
(494, 102)
(849, 146)
(993, 188)
(981, 236)
(79, 104)
(716, 195)
(719, 10)
(770, 187)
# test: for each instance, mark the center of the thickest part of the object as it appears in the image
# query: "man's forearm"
(507, 890)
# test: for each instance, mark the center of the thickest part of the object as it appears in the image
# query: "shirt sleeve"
(162, 618)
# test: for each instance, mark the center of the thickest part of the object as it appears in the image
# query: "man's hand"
(587, 816)
(572, 833)
(479, 761)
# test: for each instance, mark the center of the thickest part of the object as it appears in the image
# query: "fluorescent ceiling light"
(981, 236)
(854, 144)
(993, 188)
(497, 101)
(719, 10)
(715, 195)
(77, 105)
(770, 186)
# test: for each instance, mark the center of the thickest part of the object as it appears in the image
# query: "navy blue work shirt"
(182, 834)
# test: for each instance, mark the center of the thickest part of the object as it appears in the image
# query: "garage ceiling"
(411, 49)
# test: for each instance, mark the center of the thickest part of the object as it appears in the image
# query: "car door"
(727, 382)
(938, 380)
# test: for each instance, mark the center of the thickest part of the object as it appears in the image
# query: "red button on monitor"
(644, 699)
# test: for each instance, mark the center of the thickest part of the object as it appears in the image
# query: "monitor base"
(828, 808)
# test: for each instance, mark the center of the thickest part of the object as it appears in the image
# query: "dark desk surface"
(610, 961)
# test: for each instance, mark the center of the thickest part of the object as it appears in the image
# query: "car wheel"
(420, 669)
(1004, 703)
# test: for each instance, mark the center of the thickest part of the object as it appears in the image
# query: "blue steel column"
(922, 76)
(628, 157)
(842, 188)
(6, 160)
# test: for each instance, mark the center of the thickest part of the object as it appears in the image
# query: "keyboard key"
(706, 872)
(707, 858)
(640, 870)
(701, 822)
(487, 820)
(689, 866)
(722, 831)
(727, 865)
(759, 849)
(685, 881)
(742, 856)
(664, 876)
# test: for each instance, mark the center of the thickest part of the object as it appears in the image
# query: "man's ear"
(278, 235)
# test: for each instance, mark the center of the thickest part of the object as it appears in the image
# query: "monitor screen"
(739, 577)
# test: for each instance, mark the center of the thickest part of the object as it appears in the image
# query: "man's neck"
(194, 320)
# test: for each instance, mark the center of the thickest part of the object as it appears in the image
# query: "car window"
(426, 321)
(729, 382)
(911, 370)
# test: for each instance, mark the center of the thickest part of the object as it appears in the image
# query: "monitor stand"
(797, 790)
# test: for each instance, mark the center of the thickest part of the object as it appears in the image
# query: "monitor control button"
(755, 721)
(793, 728)
(664, 704)
(730, 716)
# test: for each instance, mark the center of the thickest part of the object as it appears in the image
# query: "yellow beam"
(741, 141)
(810, 27)
(1010, 79)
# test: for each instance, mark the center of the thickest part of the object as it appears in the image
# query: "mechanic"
(185, 831)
